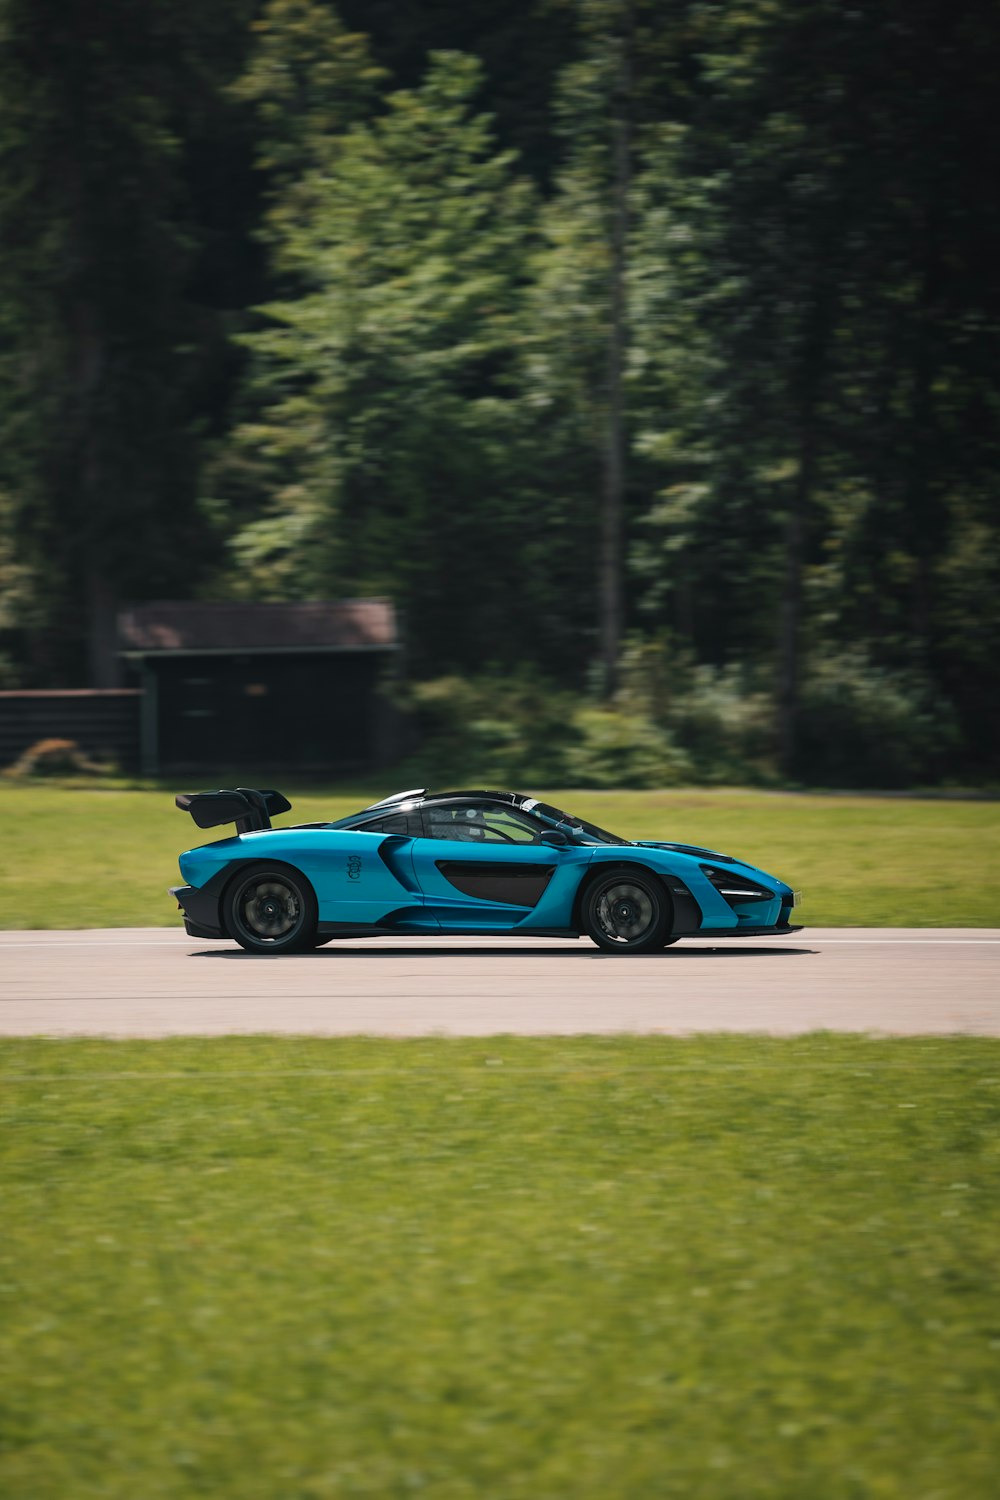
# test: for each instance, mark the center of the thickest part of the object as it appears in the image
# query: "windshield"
(587, 833)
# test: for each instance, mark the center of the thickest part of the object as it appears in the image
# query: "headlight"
(736, 888)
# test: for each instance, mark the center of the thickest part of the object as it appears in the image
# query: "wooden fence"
(104, 722)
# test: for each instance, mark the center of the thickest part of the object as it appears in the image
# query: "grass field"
(595, 1269)
(95, 857)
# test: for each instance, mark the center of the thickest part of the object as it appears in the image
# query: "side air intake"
(250, 810)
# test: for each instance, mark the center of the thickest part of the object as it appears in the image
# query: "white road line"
(60, 938)
(423, 939)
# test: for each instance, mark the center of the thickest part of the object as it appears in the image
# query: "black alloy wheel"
(627, 913)
(271, 910)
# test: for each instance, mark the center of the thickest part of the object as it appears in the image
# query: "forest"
(644, 352)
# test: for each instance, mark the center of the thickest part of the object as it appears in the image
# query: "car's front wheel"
(627, 913)
(271, 909)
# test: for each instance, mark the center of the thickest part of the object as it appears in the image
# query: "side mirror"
(554, 836)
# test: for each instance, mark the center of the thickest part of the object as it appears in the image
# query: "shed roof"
(321, 625)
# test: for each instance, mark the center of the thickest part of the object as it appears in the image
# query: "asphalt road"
(154, 982)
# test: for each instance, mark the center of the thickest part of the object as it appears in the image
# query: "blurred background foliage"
(644, 354)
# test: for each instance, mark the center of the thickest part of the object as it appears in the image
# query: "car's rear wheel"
(626, 912)
(271, 909)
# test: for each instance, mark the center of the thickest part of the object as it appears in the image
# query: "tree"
(386, 416)
(583, 281)
(96, 425)
(606, 288)
(812, 217)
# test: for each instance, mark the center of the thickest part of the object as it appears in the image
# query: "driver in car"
(474, 826)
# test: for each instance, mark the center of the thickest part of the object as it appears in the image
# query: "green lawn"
(92, 857)
(592, 1269)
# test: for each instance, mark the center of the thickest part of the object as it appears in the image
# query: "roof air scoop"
(415, 791)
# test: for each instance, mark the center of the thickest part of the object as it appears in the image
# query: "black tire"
(626, 911)
(271, 909)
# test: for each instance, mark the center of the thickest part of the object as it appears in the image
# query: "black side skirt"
(350, 929)
(737, 932)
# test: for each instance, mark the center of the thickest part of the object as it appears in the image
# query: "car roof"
(512, 797)
(402, 802)
(420, 797)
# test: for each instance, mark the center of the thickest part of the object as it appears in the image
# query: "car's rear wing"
(250, 810)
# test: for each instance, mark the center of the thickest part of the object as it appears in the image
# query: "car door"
(480, 865)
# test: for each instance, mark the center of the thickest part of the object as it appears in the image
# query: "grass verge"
(86, 857)
(588, 1268)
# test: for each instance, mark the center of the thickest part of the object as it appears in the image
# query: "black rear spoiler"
(250, 810)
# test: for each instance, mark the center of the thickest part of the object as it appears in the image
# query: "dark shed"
(290, 686)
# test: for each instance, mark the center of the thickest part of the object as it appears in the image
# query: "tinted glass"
(480, 823)
(393, 823)
(579, 828)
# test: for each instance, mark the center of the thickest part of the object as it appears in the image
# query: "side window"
(510, 826)
(480, 823)
(394, 823)
(444, 823)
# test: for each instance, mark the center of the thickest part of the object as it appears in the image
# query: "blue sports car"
(485, 863)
